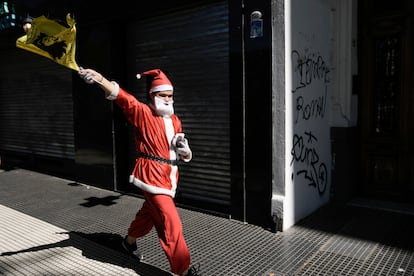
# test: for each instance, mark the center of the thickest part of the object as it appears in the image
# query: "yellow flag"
(52, 40)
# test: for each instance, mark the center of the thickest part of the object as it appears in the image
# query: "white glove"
(181, 146)
(88, 75)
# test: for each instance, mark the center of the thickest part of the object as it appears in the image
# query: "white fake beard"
(163, 108)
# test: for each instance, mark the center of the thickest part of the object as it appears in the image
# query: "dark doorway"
(386, 110)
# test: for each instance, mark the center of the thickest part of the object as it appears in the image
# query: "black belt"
(158, 159)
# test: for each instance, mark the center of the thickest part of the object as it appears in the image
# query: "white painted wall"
(308, 48)
(344, 63)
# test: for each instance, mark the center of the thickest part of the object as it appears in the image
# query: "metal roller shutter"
(191, 45)
(36, 108)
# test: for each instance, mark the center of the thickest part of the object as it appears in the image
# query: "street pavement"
(54, 226)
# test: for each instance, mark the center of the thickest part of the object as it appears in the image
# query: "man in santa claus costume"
(160, 144)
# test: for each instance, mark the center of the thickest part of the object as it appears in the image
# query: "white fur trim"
(114, 93)
(169, 131)
(161, 88)
(150, 188)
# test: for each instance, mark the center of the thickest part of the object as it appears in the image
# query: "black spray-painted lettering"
(304, 154)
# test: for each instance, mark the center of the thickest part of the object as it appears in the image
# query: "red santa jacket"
(153, 136)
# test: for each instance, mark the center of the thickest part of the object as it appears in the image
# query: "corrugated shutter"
(191, 45)
(36, 107)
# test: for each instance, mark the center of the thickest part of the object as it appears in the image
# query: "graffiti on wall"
(310, 71)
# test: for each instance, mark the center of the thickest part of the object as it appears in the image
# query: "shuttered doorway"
(191, 45)
(36, 111)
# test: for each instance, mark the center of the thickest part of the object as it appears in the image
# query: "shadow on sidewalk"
(379, 226)
(109, 240)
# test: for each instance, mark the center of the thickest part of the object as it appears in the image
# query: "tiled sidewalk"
(52, 226)
(30, 246)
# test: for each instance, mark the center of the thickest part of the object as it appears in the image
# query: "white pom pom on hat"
(160, 81)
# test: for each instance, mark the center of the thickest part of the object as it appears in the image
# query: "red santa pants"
(160, 211)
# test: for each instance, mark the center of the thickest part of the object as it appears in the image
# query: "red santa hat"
(160, 81)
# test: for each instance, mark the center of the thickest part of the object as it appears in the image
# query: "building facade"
(288, 105)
